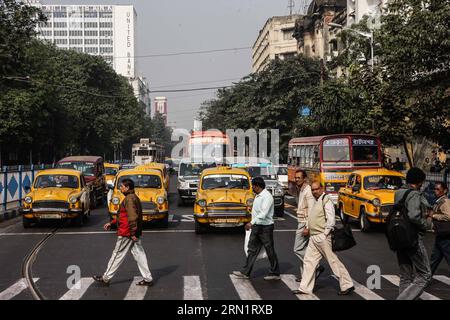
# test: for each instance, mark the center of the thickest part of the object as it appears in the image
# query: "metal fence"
(13, 180)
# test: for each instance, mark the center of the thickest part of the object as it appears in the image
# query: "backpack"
(400, 232)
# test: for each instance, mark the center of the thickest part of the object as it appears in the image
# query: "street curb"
(9, 214)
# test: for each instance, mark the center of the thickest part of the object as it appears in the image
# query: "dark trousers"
(261, 236)
(441, 250)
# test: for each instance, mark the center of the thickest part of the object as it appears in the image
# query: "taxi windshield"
(382, 182)
(111, 171)
(56, 181)
(225, 181)
(266, 172)
(86, 168)
(194, 169)
(143, 181)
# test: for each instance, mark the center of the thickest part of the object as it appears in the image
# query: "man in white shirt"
(305, 203)
(321, 221)
(262, 227)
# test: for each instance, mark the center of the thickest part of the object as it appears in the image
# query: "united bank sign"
(124, 28)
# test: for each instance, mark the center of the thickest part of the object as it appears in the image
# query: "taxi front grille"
(227, 212)
(148, 205)
(50, 205)
(226, 205)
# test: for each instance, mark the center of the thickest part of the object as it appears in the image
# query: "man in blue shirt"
(262, 232)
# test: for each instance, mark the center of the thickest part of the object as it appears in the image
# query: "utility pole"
(291, 7)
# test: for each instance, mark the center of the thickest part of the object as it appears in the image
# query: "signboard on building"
(124, 45)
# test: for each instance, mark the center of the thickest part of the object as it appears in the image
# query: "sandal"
(145, 283)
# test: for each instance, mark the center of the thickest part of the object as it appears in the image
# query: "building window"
(76, 41)
(91, 50)
(105, 41)
(90, 14)
(60, 33)
(105, 14)
(60, 24)
(76, 33)
(60, 14)
(90, 33)
(105, 25)
(90, 41)
(45, 24)
(60, 41)
(106, 49)
(90, 25)
(106, 33)
(46, 33)
(287, 34)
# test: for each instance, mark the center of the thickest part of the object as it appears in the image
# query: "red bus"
(331, 159)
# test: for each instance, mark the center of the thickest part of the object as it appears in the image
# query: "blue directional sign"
(304, 111)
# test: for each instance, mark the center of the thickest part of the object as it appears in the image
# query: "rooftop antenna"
(291, 6)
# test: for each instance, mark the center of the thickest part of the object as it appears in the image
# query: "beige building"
(275, 41)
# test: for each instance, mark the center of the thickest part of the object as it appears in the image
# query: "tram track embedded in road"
(27, 265)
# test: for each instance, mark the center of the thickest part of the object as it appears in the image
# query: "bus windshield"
(225, 181)
(365, 149)
(87, 169)
(381, 182)
(336, 150)
(194, 169)
(143, 181)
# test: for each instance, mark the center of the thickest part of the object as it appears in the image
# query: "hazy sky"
(194, 25)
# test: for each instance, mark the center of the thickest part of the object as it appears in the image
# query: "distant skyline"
(195, 25)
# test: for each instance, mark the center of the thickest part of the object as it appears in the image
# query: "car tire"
(342, 215)
(79, 220)
(26, 223)
(364, 223)
(200, 228)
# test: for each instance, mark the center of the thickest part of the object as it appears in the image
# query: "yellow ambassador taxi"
(369, 196)
(111, 169)
(149, 187)
(224, 198)
(160, 167)
(56, 194)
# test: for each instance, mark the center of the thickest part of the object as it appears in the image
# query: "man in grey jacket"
(415, 272)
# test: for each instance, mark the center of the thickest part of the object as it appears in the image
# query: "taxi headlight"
(376, 202)
(28, 200)
(278, 192)
(73, 199)
(115, 201)
(160, 200)
(250, 202)
(201, 203)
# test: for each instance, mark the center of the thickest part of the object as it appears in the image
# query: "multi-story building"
(275, 41)
(357, 9)
(161, 107)
(108, 31)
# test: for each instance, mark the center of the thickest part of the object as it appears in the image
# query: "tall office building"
(108, 31)
(161, 107)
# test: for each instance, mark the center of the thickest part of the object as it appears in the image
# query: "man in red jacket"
(129, 230)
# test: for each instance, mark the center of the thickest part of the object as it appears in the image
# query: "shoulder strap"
(403, 200)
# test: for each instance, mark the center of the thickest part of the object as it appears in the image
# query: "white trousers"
(319, 247)
(123, 245)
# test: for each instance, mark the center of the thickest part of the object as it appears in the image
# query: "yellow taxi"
(157, 166)
(149, 187)
(56, 194)
(369, 196)
(224, 198)
(111, 169)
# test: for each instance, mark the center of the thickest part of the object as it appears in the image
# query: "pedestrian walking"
(414, 265)
(321, 221)
(305, 203)
(441, 221)
(129, 231)
(261, 227)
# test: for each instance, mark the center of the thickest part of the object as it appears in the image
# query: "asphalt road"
(185, 265)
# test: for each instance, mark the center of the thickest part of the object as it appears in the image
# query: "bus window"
(316, 156)
(365, 149)
(307, 156)
(336, 150)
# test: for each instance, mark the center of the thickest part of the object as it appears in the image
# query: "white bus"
(146, 152)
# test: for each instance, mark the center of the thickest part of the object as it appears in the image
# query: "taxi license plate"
(194, 193)
(50, 216)
(226, 221)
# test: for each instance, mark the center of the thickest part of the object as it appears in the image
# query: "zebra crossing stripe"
(395, 280)
(443, 279)
(15, 289)
(192, 288)
(289, 280)
(78, 290)
(363, 291)
(136, 292)
(244, 289)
